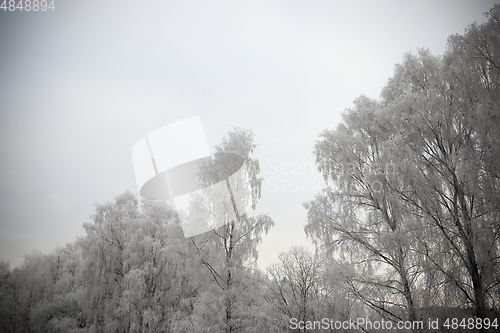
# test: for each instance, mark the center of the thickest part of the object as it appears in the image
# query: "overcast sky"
(81, 84)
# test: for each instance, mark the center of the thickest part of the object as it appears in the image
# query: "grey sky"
(80, 85)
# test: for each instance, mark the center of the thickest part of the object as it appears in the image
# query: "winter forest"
(406, 228)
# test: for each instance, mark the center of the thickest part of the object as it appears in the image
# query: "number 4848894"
(27, 5)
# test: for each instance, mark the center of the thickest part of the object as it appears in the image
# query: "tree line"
(407, 226)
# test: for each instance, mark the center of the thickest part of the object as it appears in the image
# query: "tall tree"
(445, 112)
(229, 252)
(359, 212)
(414, 178)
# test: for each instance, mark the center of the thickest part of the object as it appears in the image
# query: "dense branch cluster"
(420, 215)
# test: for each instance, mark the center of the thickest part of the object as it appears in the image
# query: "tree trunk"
(410, 305)
(229, 252)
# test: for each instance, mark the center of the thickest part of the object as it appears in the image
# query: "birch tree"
(359, 214)
(414, 186)
(229, 252)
